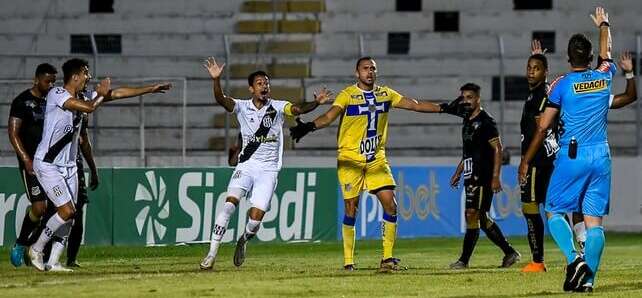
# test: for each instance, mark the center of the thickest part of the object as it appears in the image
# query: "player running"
(582, 174)
(362, 165)
(481, 167)
(261, 120)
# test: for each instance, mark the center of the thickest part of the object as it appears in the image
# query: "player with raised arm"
(362, 164)
(55, 158)
(582, 174)
(481, 168)
(261, 121)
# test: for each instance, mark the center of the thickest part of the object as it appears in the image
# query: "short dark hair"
(252, 76)
(363, 59)
(580, 50)
(540, 58)
(471, 87)
(45, 68)
(73, 66)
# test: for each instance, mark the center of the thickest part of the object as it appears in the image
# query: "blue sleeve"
(555, 93)
(607, 66)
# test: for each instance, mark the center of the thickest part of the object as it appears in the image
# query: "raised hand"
(323, 95)
(213, 69)
(600, 16)
(626, 62)
(161, 87)
(103, 87)
(536, 47)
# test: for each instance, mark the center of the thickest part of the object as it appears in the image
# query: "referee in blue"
(581, 178)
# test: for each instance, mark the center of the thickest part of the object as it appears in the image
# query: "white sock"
(220, 226)
(252, 226)
(53, 224)
(580, 232)
(56, 251)
(57, 247)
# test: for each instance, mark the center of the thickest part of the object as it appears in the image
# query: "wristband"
(605, 23)
(629, 75)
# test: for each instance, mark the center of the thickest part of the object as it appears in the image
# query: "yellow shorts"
(356, 176)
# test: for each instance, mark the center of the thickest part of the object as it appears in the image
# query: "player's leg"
(532, 194)
(55, 185)
(32, 217)
(594, 207)
(379, 180)
(263, 186)
(240, 183)
(62, 234)
(492, 230)
(471, 214)
(579, 229)
(76, 234)
(351, 180)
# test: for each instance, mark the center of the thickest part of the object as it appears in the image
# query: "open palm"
(214, 69)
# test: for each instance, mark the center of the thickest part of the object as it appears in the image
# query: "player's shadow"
(610, 288)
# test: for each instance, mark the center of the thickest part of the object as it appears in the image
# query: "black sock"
(535, 236)
(75, 237)
(470, 240)
(495, 235)
(28, 227)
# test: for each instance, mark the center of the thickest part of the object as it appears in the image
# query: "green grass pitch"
(314, 269)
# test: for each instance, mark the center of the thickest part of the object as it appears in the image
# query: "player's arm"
(630, 92)
(15, 124)
(421, 106)
(215, 71)
(546, 120)
(303, 128)
(496, 144)
(320, 97)
(126, 92)
(454, 180)
(234, 151)
(89, 106)
(601, 20)
(88, 155)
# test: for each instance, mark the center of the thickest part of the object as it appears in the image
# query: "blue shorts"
(582, 184)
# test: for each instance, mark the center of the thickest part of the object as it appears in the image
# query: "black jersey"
(31, 110)
(533, 108)
(478, 136)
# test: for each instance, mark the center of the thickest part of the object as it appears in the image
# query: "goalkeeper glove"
(452, 108)
(301, 129)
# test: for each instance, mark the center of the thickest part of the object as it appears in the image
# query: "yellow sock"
(348, 244)
(388, 237)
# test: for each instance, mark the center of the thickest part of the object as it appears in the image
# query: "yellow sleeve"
(287, 109)
(395, 97)
(342, 100)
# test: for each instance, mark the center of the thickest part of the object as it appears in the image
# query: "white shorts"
(60, 183)
(259, 184)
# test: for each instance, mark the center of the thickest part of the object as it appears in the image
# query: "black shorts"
(479, 197)
(33, 189)
(536, 185)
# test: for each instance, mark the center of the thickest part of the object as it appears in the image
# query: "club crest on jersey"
(60, 91)
(590, 86)
(35, 191)
(267, 122)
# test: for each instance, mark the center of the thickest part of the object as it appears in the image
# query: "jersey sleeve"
(555, 93)
(59, 96)
(395, 97)
(236, 106)
(607, 66)
(490, 132)
(342, 100)
(18, 109)
(287, 109)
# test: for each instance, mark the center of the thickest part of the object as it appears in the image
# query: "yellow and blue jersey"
(363, 130)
